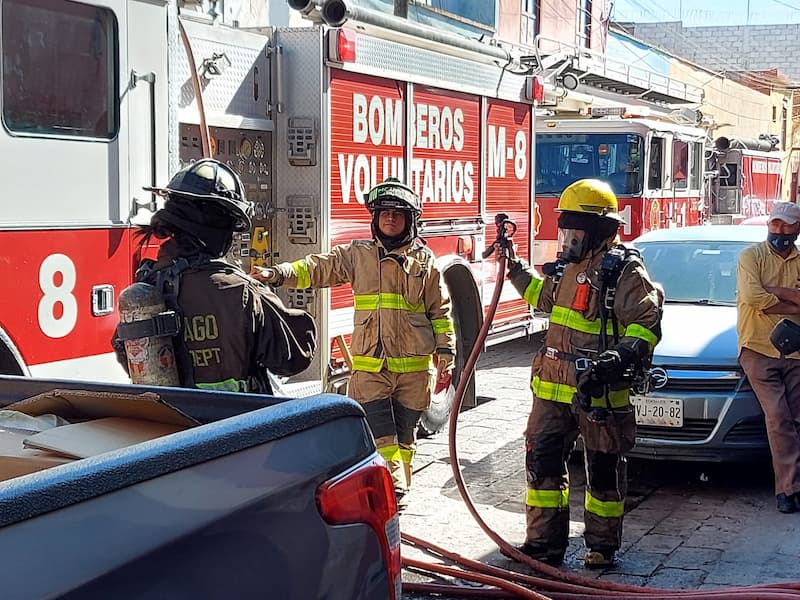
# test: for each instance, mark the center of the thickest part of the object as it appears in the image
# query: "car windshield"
(694, 271)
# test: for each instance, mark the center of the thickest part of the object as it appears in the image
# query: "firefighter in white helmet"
(402, 322)
(605, 316)
(230, 329)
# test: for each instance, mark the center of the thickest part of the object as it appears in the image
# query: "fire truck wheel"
(468, 319)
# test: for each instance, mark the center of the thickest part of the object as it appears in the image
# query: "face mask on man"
(781, 241)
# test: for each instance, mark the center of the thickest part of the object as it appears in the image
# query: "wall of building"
(508, 20)
(737, 110)
(558, 20)
(746, 47)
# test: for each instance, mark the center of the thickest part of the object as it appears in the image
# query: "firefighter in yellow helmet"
(402, 322)
(605, 318)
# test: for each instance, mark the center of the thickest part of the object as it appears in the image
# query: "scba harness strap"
(611, 268)
(167, 323)
(167, 280)
(164, 324)
(616, 259)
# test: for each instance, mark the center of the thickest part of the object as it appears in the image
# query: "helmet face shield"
(574, 244)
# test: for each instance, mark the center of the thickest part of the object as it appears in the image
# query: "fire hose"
(555, 584)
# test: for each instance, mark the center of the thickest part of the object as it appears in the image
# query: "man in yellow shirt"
(767, 283)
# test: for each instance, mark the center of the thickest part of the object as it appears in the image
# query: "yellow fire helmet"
(590, 196)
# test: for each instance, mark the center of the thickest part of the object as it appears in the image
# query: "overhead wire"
(691, 43)
(716, 75)
(787, 5)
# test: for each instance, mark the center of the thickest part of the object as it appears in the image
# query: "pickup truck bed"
(227, 509)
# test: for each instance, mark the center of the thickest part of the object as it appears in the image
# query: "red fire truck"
(665, 174)
(310, 117)
(744, 178)
(655, 167)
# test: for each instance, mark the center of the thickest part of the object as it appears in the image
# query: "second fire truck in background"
(665, 174)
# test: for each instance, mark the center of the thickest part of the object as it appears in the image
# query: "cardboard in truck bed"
(16, 460)
(125, 419)
(83, 405)
(80, 440)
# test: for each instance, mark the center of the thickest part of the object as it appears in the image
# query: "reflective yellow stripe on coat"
(407, 364)
(229, 385)
(443, 326)
(533, 291)
(572, 319)
(561, 392)
(643, 333)
(386, 300)
(300, 268)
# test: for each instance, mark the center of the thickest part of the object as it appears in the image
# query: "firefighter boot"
(598, 558)
(549, 556)
(401, 496)
(786, 504)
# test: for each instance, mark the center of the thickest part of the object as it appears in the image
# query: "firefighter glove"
(589, 387)
(611, 365)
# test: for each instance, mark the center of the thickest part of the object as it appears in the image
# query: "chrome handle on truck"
(149, 78)
(102, 300)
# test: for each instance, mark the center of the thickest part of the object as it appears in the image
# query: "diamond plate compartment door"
(301, 165)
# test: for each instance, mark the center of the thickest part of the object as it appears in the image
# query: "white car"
(703, 408)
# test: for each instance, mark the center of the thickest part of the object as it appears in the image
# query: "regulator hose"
(558, 585)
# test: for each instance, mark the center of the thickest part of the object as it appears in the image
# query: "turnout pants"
(393, 403)
(550, 437)
(776, 383)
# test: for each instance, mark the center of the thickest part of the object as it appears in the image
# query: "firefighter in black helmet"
(401, 322)
(232, 329)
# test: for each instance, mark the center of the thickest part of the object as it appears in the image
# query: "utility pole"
(401, 8)
(746, 53)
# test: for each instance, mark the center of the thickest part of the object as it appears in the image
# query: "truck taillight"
(365, 494)
(534, 88)
(346, 46)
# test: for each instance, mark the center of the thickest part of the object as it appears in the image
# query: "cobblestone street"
(693, 526)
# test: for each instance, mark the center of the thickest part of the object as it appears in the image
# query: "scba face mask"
(782, 241)
(574, 244)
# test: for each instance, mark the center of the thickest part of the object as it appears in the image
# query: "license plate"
(661, 412)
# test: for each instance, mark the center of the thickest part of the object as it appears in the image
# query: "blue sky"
(695, 13)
